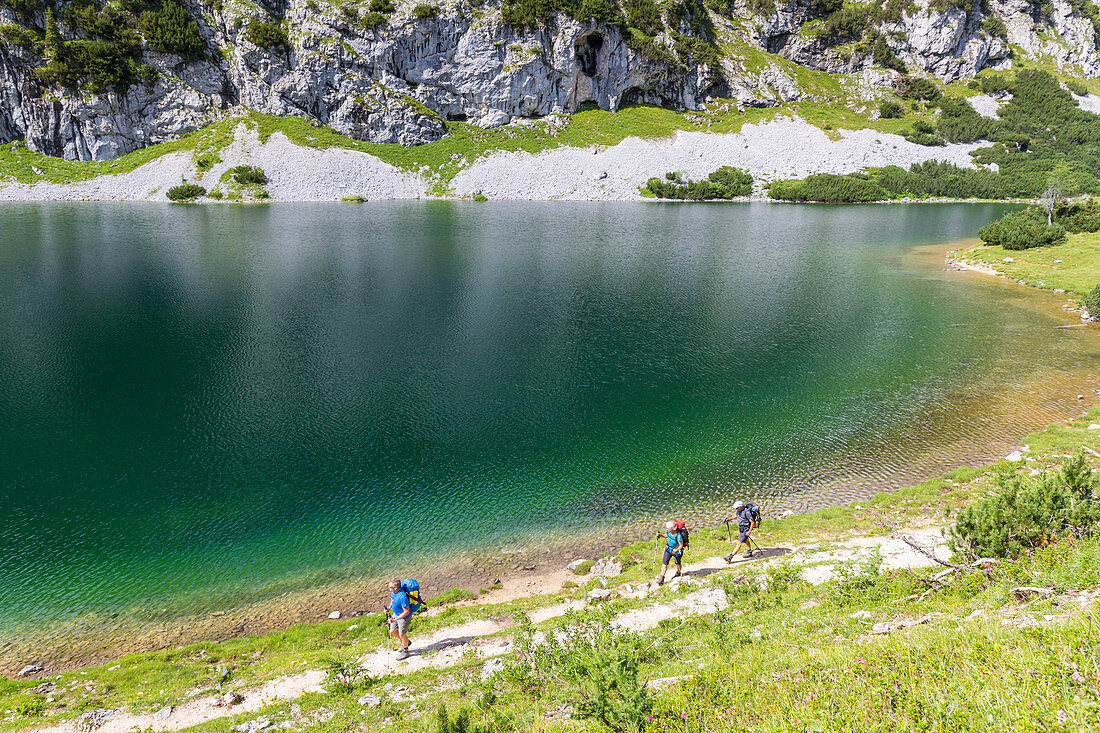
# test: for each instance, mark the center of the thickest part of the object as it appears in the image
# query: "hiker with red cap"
(674, 549)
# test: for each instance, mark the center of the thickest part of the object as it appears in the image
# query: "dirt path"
(447, 647)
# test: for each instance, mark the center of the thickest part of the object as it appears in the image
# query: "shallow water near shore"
(207, 407)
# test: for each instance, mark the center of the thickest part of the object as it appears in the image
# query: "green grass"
(1078, 270)
(453, 595)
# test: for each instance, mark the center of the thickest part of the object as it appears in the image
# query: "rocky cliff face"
(401, 79)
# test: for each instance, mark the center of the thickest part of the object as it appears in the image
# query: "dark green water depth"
(207, 406)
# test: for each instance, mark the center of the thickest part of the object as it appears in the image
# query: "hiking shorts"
(401, 625)
(744, 536)
(669, 556)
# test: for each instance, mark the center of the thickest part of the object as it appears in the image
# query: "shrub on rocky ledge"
(265, 34)
(247, 175)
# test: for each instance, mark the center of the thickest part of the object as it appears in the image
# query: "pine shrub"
(1077, 87)
(1090, 301)
(170, 28)
(725, 183)
(246, 175)
(829, 188)
(1030, 512)
(959, 123)
(185, 192)
(1022, 230)
(889, 109)
(265, 34)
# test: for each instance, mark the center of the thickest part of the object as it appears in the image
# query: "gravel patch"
(986, 106)
(788, 148)
(1089, 102)
(295, 173)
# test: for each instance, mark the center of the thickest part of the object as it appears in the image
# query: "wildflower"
(861, 660)
(811, 696)
(683, 716)
(1062, 717)
(1077, 676)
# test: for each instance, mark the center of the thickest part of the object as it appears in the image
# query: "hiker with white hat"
(674, 549)
(746, 522)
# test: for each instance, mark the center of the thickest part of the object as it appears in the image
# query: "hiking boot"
(660, 580)
(403, 654)
(729, 557)
(748, 554)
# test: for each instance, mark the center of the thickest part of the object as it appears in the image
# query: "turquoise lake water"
(209, 405)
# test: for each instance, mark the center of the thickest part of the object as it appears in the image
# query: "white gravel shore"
(779, 149)
(769, 151)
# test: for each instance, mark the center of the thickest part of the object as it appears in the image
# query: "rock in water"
(1015, 456)
(334, 615)
(30, 669)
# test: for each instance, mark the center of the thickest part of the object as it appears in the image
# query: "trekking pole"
(656, 544)
(729, 532)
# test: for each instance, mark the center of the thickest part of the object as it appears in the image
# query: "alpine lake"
(214, 407)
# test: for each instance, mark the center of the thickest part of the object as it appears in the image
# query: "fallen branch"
(1090, 450)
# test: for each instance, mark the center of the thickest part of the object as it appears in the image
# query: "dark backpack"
(755, 513)
(682, 530)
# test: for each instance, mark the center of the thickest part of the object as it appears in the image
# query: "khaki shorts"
(400, 624)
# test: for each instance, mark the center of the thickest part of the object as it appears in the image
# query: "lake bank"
(940, 423)
(279, 677)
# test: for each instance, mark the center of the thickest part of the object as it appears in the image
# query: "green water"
(205, 406)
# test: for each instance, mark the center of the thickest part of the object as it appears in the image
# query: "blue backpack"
(412, 589)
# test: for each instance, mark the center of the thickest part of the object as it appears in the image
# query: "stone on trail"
(30, 669)
(575, 564)
(1015, 456)
(861, 615)
(607, 567)
(334, 615)
(231, 698)
(251, 726)
(371, 700)
(596, 595)
(93, 719)
(1094, 426)
(164, 713)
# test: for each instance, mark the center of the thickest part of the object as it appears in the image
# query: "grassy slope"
(788, 657)
(1073, 265)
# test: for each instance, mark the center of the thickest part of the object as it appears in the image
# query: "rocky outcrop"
(399, 81)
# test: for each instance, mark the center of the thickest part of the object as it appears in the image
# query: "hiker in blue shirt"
(674, 550)
(402, 613)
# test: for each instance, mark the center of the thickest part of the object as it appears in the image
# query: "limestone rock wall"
(399, 82)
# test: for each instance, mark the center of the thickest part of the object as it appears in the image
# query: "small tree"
(1050, 200)
(54, 43)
